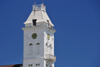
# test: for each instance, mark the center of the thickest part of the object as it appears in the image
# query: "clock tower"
(38, 39)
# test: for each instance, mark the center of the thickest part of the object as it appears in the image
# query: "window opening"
(50, 66)
(30, 44)
(51, 26)
(34, 22)
(50, 46)
(47, 20)
(37, 64)
(37, 48)
(46, 44)
(43, 10)
(30, 49)
(30, 65)
(48, 36)
(48, 23)
(46, 65)
(38, 44)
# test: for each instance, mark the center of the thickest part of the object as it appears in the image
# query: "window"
(30, 44)
(43, 10)
(50, 66)
(50, 45)
(47, 20)
(30, 48)
(48, 36)
(38, 44)
(34, 35)
(30, 65)
(46, 44)
(48, 23)
(34, 22)
(37, 64)
(51, 26)
(37, 48)
(46, 65)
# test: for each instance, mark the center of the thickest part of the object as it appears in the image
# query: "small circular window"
(34, 35)
(48, 37)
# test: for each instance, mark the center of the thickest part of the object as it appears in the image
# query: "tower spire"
(34, 2)
(42, 1)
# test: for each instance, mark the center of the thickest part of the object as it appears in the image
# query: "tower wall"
(38, 39)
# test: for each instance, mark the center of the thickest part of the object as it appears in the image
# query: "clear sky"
(77, 39)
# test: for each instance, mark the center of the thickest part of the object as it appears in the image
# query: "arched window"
(50, 45)
(38, 44)
(38, 48)
(30, 44)
(30, 48)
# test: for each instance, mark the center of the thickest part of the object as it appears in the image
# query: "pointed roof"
(40, 14)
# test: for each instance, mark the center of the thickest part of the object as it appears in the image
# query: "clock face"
(48, 37)
(34, 36)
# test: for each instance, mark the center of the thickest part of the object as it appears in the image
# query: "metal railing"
(37, 7)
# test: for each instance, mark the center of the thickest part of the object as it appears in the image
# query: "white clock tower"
(38, 39)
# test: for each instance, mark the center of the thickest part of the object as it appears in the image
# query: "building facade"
(38, 39)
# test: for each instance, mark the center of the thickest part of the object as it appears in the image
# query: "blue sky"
(77, 39)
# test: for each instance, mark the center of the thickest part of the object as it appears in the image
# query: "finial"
(42, 1)
(34, 2)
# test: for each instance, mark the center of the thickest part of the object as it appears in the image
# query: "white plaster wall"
(28, 25)
(34, 57)
(49, 50)
(42, 63)
(28, 39)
